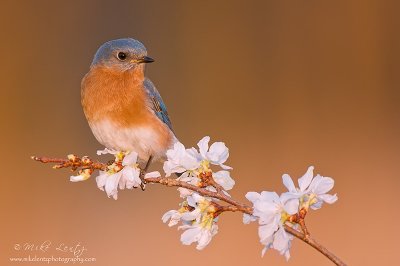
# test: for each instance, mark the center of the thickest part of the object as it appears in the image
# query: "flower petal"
(206, 237)
(77, 178)
(172, 215)
(266, 211)
(317, 205)
(265, 249)
(112, 185)
(193, 199)
(170, 167)
(101, 179)
(252, 196)
(189, 161)
(203, 146)
(281, 241)
(106, 151)
(154, 174)
(224, 179)
(321, 184)
(305, 180)
(287, 254)
(248, 218)
(292, 206)
(266, 231)
(192, 234)
(193, 215)
(270, 196)
(286, 196)
(328, 198)
(130, 159)
(218, 153)
(179, 159)
(184, 192)
(288, 183)
(225, 167)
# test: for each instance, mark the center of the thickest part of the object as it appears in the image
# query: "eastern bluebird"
(124, 109)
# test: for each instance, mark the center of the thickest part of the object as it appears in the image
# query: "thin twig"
(299, 218)
(170, 182)
(217, 186)
(221, 209)
(74, 164)
(310, 241)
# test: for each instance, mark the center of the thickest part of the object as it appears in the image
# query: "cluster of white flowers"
(197, 217)
(123, 173)
(273, 211)
(189, 164)
(197, 213)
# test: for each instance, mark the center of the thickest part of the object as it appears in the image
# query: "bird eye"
(121, 56)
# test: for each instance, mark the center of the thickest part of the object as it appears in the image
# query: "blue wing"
(156, 103)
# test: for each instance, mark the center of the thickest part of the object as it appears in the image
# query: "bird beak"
(144, 59)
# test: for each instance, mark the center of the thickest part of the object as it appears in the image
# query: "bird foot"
(143, 172)
(141, 176)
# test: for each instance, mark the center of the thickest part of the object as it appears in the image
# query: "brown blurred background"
(286, 84)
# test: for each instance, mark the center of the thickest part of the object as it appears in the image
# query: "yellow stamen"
(119, 156)
(284, 217)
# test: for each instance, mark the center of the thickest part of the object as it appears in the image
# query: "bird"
(124, 109)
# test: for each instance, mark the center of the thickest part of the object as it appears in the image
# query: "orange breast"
(119, 97)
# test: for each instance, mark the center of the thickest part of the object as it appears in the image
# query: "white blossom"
(198, 233)
(180, 159)
(271, 212)
(109, 183)
(192, 165)
(217, 154)
(197, 218)
(280, 241)
(173, 216)
(130, 177)
(199, 223)
(184, 214)
(312, 191)
(127, 177)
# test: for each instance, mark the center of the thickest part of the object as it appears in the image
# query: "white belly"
(142, 139)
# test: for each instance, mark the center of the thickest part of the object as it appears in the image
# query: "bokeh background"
(286, 84)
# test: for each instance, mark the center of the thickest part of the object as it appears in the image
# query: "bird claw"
(141, 176)
(143, 172)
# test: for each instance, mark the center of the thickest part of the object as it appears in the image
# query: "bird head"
(121, 55)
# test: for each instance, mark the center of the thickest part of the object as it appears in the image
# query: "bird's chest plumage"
(146, 140)
(117, 110)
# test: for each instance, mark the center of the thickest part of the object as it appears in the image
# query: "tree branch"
(75, 162)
